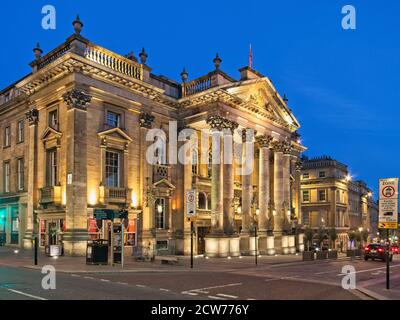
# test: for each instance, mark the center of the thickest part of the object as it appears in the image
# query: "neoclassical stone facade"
(85, 115)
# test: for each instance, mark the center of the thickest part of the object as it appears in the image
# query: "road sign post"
(191, 215)
(388, 214)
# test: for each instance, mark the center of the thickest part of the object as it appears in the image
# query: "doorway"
(201, 242)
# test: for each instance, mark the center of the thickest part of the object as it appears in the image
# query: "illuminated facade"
(84, 113)
(330, 198)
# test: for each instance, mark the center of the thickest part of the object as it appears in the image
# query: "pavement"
(274, 278)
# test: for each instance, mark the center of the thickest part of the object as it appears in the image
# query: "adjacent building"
(330, 198)
(76, 133)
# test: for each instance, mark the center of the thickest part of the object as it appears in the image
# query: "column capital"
(282, 146)
(145, 120)
(299, 165)
(248, 134)
(32, 116)
(217, 122)
(77, 99)
(264, 141)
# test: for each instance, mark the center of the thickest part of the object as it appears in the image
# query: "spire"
(38, 51)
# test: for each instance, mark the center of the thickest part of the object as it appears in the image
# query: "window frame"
(323, 174)
(20, 131)
(52, 167)
(119, 173)
(50, 111)
(7, 136)
(157, 214)
(6, 176)
(325, 195)
(305, 175)
(308, 194)
(118, 119)
(20, 174)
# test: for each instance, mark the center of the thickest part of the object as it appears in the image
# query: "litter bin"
(97, 252)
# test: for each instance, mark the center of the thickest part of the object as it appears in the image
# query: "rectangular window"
(52, 168)
(306, 196)
(6, 176)
(160, 213)
(322, 195)
(53, 119)
(113, 119)
(306, 175)
(7, 136)
(322, 174)
(113, 169)
(20, 174)
(20, 131)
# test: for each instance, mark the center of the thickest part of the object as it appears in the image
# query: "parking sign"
(388, 203)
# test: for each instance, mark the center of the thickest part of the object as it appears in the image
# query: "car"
(377, 251)
(394, 249)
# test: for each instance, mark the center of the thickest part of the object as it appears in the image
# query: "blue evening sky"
(343, 85)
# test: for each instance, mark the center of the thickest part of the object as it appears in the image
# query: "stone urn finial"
(143, 56)
(38, 51)
(184, 75)
(78, 25)
(217, 61)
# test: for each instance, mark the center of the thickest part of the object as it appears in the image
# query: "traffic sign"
(388, 203)
(389, 188)
(191, 203)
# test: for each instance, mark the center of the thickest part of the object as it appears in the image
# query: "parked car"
(376, 251)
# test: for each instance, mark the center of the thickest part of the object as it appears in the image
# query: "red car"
(377, 251)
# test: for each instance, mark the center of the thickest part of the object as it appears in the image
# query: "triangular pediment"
(260, 94)
(50, 133)
(164, 183)
(115, 134)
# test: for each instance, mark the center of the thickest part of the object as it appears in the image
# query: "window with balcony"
(113, 119)
(306, 196)
(322, 195)
(113, 169)
(7, 136)
(160, 213)
(52, 168)
(20, 131)
(20, 174)
(53, 119)
(6, 170)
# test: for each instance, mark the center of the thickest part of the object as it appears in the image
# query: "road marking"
(326, 272)
(104, 280)
(162, 289)
(124, 283)
(250, 299)
(26, 294)
(217, 287)
(367, 270)
(216, 298)
(140, 286)
(89, 278)
(189, 293)
(75, 275)
(268, 280)
(227, 296)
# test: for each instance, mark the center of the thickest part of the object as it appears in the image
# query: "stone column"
(264, 143)
(215, 244)
(76, 205)
(278, 196)
(33, 118)
(145, 237)
(286, 186)
(228, 177)
(264, 218)
(247, 188)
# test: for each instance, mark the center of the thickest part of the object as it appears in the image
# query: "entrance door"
(201, 243)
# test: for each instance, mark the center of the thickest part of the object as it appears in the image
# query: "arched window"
(202, 201)
(194, 161)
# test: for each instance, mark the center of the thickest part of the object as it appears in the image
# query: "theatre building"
(75, 135)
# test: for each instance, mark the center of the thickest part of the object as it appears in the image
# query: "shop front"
(10, 222)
